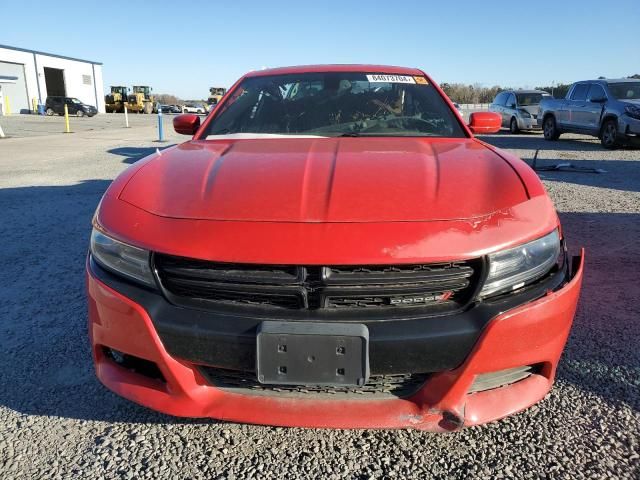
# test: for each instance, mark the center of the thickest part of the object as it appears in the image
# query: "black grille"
(397, 385)
(440, 287)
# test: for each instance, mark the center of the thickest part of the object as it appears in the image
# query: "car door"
(576, 105)
(57, 105)
(509, 110)
(498, 104)
(596, 99)
(71, 107)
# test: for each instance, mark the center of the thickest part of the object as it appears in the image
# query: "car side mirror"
(186, 124)
(485, 122)
(598, 100)
(512, 105)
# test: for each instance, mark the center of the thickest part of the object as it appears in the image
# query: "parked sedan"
(54, 105)
(191, 108)
(170, 109)
(519, 108)
(331, 248)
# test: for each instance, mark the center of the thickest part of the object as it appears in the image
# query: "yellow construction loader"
(116, 100)
(141, 100)
(215, 95)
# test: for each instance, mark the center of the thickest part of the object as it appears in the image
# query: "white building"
(29, 76)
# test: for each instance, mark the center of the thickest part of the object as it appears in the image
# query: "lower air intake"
(378, 386)
(489, 381)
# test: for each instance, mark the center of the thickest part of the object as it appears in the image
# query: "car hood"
(315, 180)
(533, 109)
(631, 101)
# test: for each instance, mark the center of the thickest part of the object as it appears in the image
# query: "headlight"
(123, 259)
(523, 113)
(514, 268)
(632, 111)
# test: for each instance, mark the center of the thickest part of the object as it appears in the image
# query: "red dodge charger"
(332, 248)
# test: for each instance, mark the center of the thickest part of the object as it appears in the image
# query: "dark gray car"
(519, 108)
(607, 109)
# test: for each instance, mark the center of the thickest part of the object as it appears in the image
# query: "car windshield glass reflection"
(337, 104)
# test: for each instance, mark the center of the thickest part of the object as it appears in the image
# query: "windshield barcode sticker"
(390, 79)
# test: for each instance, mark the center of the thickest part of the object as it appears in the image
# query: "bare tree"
(167, 99)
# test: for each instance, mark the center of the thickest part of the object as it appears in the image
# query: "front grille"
(397, 385)
(440, 287)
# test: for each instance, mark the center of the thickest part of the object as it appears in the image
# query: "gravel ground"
(57, 421)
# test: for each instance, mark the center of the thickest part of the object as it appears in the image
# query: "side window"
(499, 100)
(511, 101)
(596, 91)
(580, 92)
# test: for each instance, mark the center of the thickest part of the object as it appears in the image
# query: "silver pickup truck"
(607, 109)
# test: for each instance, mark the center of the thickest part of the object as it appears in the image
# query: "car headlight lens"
(131, 262)
(632, 111)
(524, 114)
(514, 268)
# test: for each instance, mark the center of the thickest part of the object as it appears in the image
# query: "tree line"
(462, 93)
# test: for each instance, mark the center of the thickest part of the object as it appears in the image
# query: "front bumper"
(531, 333)
(528, 123)
(629, 127)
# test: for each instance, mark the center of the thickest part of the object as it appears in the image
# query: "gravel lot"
(57, 421)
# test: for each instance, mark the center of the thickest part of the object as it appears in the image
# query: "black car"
(55, 106)
(170, 109)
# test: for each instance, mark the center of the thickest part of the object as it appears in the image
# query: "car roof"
(337, 68)
(621, 80)
(610, 80)
(528, 91)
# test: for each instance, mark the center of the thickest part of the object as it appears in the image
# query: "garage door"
(17, 92)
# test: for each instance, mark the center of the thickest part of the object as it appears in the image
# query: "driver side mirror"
(485, 122)
(598, 99)
(186, 124)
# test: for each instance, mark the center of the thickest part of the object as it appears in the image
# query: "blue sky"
(184, 47)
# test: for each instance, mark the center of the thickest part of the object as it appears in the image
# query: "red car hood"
(315, 180)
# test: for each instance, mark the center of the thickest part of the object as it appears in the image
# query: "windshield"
(625, 90)
(336, 104)
(526, 99)
(75, 100)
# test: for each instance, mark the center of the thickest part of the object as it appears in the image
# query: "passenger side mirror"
(511, 105)
(186, 124)
(598, 99)
(485, 122)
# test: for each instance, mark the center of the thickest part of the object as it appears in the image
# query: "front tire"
(550, 129)
(609, 135)
(50, 112)
(513, 126)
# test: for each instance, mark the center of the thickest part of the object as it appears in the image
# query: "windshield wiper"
(349, 134)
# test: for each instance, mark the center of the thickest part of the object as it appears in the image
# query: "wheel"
(609, 134)
(199, 111)
(513, 126)
(550, 128)
(79, 113)
(50, 112)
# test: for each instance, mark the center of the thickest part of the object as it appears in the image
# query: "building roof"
(37, 52)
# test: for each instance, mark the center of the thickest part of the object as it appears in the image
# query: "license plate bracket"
(306, 353)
